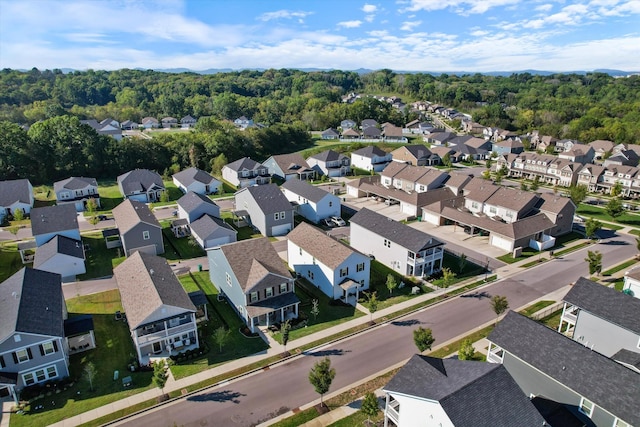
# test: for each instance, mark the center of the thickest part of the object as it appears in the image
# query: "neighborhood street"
(256, 398)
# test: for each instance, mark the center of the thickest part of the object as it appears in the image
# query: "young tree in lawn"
(486, 174)
(591, 227)
(90, 373)
(370, 406)
(577, 193)
(285, 327)
(18, 215)
(616, 190)
(446, 161)
(315, 309)
(535, 184)
(462, 262)
(321, 376)
(448, 277)
(391, 283)
(221, 336)
(499, 304)
(594, 259)
(160, 374)
(372, 303)
(164, 196)
(614, 208)
(524, 186)
(466, 351)
(423, 338)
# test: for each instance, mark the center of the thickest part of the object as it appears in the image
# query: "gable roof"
(566, 361)
(418, 151)
(330, 132)
(15, 190)
(479, 190)
(553, 203)
(322, 247)
(252, 260)
(130, 213)
(396, 232)
(31, 301)
(328, 156)
(244, 163)
(473, 394)
(51, 219)
(207, 225)
(511, 198)
(607, 303)
(191, 175)
(306, 190)
(370, 151)
(146, 282)
(268, 197)
(139, 180)
(58, 245)
(192, 200)
(74, 183)
(290, 163)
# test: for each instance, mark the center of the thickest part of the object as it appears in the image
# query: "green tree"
(423, 338)
(92, 207)
(218, 163)
(370, 406)
(285, 327)
(164, 196)
(160, 374)
(535, 184)
(18, 215)
(221, 336)
(499, 304)
(616, 190)
(90, 373)
(578, 193)
(315, 309)
(524, 186)
(591, 227)
(594, 259)
(614, 208)
(321, 376)
(462, 263)
(372, 304)
(466, 351)
(448, 277)
(486, 174)
(446, 161)
(391, 283)
(637, 244)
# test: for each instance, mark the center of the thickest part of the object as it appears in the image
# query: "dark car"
(102, 217)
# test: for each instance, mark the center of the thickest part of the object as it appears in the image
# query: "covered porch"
(78, 331)
(27, 251)
(241, 218)
(180, 228)
(351, 291)
(273, 310)
(8, 382)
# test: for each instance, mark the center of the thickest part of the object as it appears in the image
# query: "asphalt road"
(263, 396)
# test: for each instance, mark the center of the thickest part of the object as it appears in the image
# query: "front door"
(157, 347)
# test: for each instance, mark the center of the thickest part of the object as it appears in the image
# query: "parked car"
(327, 222)
(338, 221)
(102, 218)
(390, 202)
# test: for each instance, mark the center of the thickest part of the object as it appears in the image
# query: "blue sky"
(412, 35)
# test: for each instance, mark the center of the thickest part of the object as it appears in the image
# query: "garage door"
(219, 241)
(280, 230)
(408, 209)
(150, 249)
(502, 243)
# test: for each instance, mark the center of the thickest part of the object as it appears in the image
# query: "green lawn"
(377, 283)
(626, 218)
(561, 242)
(183, 246)
(100, 261)
(453, 263)
(10, 261)
(620, 267)
(113, 352)
(534, 308)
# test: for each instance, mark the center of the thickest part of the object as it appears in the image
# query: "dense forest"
(289, 102)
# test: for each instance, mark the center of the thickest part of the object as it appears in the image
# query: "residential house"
(566, 144)
(265, 208)
(350, 134)
(416, 155)
(439, 138)
(336, 269)
(582, 154)
(550, 368)
(442, 151)
(412, 126)
(404, 249)
(330, 163)
(412, 178)
(393, 134)
(547, 168)
(370, 158)
(105, 128)
(330, 133)
(110, 121)
(15, 194)
(289, 166)
(243, 123)
(367, 123)
(544, 142)
(188, 122)
(590, 176)
(311, 202)
(559, 209)
(425, 127)
(371, 132)
(138, 227)
(625, 175)
(347, 124)
(61, 255)
(77, 190)
(141, 185)
(255, 281)
(129, 125)
(622, 158)
(169, 122)
(470, 147)
(601, 318)
(192, 206)
(463, 393)
(508, 204)
(245, 172)
(50, 221)
(196, 180)
(150, 123)
(210, 231)
(160, 315)
(472, 127)
(32, 344)
(601, 148)
(508, 146)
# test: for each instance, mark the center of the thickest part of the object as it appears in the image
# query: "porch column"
(282, 314)
(386, 405)
(253, 331)
(296, 309)
(135, 342)
(267, 317)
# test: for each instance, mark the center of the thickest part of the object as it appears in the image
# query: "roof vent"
(151, 271)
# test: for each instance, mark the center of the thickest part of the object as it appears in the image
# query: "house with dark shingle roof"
(141, 185)
(330, 133)
(350, 133)
(138, 227)
(460, 393)
(370, 158)
(245, 172)
(289, 166)
(61, 255)
(582, 382)
(416, 155)
(330, 163)
(77, 190)
(404, 249)
(255, 281)
(192, 206)
(196, 180)
(50, 221)
(188, 122)
(15, 194)
(336, 269)
(210, 231)
(265, 208)
(601, 318)
(32, 344)
(310, 201)
(160, 314)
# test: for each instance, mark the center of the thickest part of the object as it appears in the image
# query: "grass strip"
(620, 267)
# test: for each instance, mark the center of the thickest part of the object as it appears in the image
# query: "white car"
(339, 222)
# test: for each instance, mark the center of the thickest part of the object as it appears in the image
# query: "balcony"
(392, 411)
(161, 333)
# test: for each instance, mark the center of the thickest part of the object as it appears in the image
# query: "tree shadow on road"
(323, 353)
(219, 396)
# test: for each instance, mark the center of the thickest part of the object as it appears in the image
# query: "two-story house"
(15, 194)
(61, 255)
(141, 185)
(507, 146)
(32, 344)
(160, 315)
(289, 166)
(601, 148)
(330, 163)
(150, 123)
(77, 190)
(625, 175)
(311, 202)
(564, 375)
(416, 155)
(509, 204)
(245, 172)
(188, 122)
(243, 123)
(412, 178)
(265, 208)
(50, 221)
(590, 176)
(196, 180)
(138, 227)
(336, 269)
(404, 249)
(370, 158)
(255, 281)
(192, 206)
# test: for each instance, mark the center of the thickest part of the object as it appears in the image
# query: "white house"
(245, 172)
(330, 163)
(370, 158)
(49, 221)
(61, 255)
(336, 269)
(310, 201)
(196, 180)
(192, 206)
(77, 190)
(632, 283)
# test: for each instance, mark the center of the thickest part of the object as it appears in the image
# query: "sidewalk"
(276, 349)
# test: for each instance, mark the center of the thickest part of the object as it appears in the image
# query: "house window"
(268, 293)
(228, 277)
(283, 288)
(387, 243)
(620, 423)
(310, 274)
(254, 296)
(282, 215)
(492, 209)
(360, 267)
(344, 271)
(47, 348)
(28, 379)
(330, 204)
(586, 407)
(300, 251)
(276, 216)
(146, 235)
(509, 214)
(40, 375)
(23, 355)
(174, 322)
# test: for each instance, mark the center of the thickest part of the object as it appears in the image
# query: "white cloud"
(283, 14)
(410, 25)
(479, 33)
(544, 7)
(349, 24)
(369, 18)
(462, 7)
(369, 8)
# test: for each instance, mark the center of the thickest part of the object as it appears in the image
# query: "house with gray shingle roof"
(289, 166)
(265, 208)
(188, 122)
(416, 155)
(330, 163)
(210, 231)
(461, 393)
(50, 221)
(336, 269)
(61, 255)
(160, 314)
(245, 172)
(330, 133)
(141, 185)
(310, 201)
(138, 227)
(32, 344)
(15, 194)
(192, 206)
(255, 281)
(404, 249)
(196, 180)
(77, 190)
(370, 158)
(601, 318)
(546, 364)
